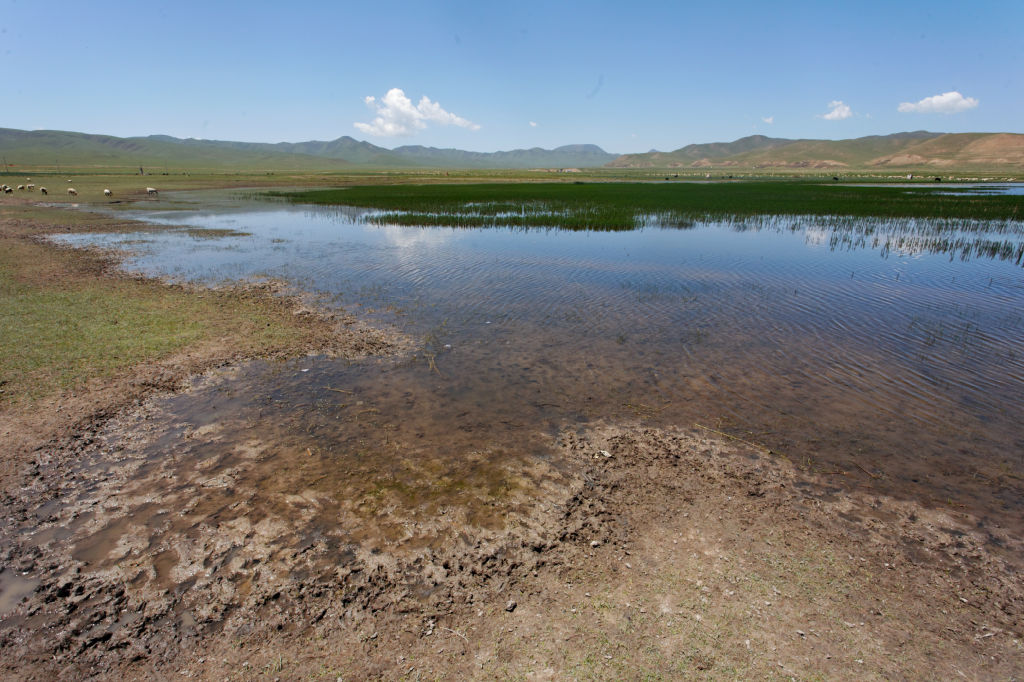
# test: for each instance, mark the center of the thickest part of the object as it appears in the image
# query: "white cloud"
(533, 124)
(839, 111)
(769, 119)
(397, 116)
(946, 103)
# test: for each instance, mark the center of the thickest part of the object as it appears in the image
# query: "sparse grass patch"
(63, 324)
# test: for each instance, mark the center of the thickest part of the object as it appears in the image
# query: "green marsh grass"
(626, 206)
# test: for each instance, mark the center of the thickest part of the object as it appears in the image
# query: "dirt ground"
(627, 552)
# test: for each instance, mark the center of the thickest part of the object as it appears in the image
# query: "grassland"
(624, 206)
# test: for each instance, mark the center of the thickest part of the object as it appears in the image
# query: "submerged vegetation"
(627, 206)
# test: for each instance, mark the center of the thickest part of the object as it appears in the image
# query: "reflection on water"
(887, 353)
(966, 188)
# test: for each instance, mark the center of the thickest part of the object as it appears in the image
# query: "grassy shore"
(79, 339)
(612, 206)
(68, 319)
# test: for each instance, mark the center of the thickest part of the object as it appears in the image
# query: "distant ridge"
(49, 147)
(912, 150)
(571, 155)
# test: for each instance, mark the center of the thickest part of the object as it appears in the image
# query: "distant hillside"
(568, 156)
(53, 147)
(345, 149)
(912, 150)
(915, 150)
(695, 153)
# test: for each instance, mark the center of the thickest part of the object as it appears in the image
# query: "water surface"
(888, 354)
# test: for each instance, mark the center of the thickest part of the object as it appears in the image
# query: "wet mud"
(155, 540)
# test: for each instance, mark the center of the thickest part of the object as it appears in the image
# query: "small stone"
(511, 605)
(595, 543)
(605, 453)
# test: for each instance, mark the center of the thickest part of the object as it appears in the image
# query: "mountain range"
(54, 147)
(909, 150)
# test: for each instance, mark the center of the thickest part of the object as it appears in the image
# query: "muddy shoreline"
(626, 550)
(63, 413)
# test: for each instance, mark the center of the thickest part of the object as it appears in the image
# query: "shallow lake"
(884, 354)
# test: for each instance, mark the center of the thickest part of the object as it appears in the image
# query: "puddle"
(13, 588)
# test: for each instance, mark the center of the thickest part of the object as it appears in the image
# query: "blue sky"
(627, 76)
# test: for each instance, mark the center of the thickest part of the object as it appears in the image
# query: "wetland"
(556, 355)
(882, 347)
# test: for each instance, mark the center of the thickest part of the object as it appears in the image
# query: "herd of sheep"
(7, 189)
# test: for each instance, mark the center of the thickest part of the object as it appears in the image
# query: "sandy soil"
(627, 553)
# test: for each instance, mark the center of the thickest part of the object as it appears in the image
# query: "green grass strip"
(623, 206)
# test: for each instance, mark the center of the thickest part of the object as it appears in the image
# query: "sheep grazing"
(151, 190)
(42, 190)
(69, 181)
(8, 190)
(107, 193)
(30, 187)
(72, 192)
(21, 187)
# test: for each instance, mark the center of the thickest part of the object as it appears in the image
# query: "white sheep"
(71, 191)
(151, 190)
(21, 187)
(42, 190)
(30, 187)
(107, 192)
